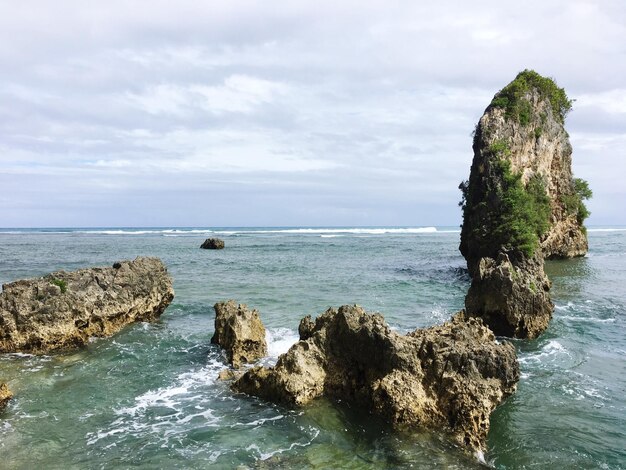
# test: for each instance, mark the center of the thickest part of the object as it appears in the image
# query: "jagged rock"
(450, 376)
(521, 202)
(240, 332)
(5, 395)
(65, 309)
(213, 244)
(512, 298)
(229, 374)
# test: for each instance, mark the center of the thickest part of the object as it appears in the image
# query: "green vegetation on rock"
(574, 201)
(511, 215)
(61, 283)
(513, 98)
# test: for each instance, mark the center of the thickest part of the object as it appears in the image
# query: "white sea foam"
(266, 455)
(184, 389)
(567, 306)
(279, 340)
(587, 319)
(295, 231)
(550, 350)
(326, 231)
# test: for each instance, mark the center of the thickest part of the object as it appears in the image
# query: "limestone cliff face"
(64, 309)
(447, 377)
(539, 147)
(521, 205)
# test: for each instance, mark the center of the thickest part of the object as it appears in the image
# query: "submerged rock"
(65, 309)
(5, 395)
(240, 332)
(450, 376)
(213, 244)
(521, 203)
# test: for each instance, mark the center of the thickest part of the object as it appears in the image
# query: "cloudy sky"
(249, 113)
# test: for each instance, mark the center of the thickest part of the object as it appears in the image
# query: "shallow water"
(148, 397)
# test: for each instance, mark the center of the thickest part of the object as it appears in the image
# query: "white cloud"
(366, 107)
(611, 101)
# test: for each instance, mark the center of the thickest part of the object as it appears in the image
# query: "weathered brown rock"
(540, 148)
(449, 377)
(5, 395)
(511, 297)
(226, 375)
(212, 244)
(240, 332)
(65, 309)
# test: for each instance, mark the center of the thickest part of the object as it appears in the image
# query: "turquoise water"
(148, 397)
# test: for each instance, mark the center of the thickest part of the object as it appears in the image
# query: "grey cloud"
(305, 113)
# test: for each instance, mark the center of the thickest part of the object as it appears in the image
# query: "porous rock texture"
(512, 297)
(539, 147)
(449, 376)
(64, 309)
(240, 332)
(509, 290)
(212, 244)
(5, 396)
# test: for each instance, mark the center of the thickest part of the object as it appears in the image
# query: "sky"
(286, 113)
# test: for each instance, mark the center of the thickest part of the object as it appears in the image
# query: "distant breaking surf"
(327, 232)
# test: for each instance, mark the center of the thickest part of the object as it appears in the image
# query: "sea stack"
(521, 205)
(448, 377)
(64, 309)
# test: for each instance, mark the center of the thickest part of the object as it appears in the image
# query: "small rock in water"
(213, 244)
(5, 396)
(240, 332)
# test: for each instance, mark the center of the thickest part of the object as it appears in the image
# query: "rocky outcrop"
(5, 396)
(213, 244)
(512, 297)
(240, 332)
(521, 204)
(64, 309)
(449, 377)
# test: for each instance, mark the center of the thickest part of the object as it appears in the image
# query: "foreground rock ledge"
(240, 332)
(5, 396)
(450, 376)
(64, 309)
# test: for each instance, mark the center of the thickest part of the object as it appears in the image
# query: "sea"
(149, 396)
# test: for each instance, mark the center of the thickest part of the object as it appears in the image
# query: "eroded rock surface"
(212, 244)
(512, 297)
(240, 332)
(450, 376)
(65, 309)
(5, 395)
(521, 205)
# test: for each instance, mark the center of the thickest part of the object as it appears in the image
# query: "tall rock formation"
(64, 309)
(521, 204)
